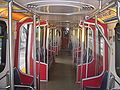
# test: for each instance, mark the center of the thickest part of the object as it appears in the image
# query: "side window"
(50, 38)
(99, 51)
(23, 47)
(41, 43)
(89, 45)
(37, 43)
(41, 35)
(3, 37)
(117, 49)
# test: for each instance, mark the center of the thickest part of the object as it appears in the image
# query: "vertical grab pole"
(44, 42)
(39, 51)
(52, 38)
(47, 46)
(118, 10)
(110, 51)
(82, 51)
(55, 42)
(34, 28)
(47, 43)
(87, 51)
(10, 44)
(100, 4)
(78, 47)
(78, 36)
(76, 55)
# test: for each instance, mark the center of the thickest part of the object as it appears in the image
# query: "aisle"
(62, 75)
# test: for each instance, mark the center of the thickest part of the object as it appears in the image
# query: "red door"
(65, 38)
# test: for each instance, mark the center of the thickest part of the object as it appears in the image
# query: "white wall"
(111, 30)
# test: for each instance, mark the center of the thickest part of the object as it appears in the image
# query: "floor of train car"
(62, 74)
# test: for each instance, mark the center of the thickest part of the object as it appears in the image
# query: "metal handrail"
(22, 86)
(10, 3)
(110, 48)
(25, 8)
(117, 81)
(5, 87)
(101, 10)
(103, 36)
(17, 86)
(4, 75)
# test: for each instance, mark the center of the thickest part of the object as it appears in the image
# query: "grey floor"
(62, 74)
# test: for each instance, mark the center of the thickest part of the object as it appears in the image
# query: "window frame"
(98, 47)
(26, 58)
(3, 36)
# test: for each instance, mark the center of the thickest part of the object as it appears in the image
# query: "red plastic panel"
(43, 70)
(25, 79)
(91, 69)
(83, 72)
(96, 82)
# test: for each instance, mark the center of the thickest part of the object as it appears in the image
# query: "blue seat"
(18, 82)
(103, 84)
(16, 77)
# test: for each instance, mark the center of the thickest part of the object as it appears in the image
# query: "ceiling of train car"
(16, 15)
(62, 10)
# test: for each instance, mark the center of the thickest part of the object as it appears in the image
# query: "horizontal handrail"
(24, 86)
(51, 50)
(4, 75)
(53, 46)
(78, 51)
(117, 81)
(5, 87)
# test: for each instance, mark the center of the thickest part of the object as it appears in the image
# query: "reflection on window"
(100, 44)
(3, 33)
(99, 51)
(0, 50)
(90, 39)
(24, 31)
(89, 45)
(37, 43)
(41, 35)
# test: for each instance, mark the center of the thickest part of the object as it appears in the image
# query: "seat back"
(16, 77)
(104, 81)
(111, 81)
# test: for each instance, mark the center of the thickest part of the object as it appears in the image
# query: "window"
(3, 35)
(90, 39)
(117, 49)
(41, 35)
(89, 45)
(99, 51)
(23, 47)
(37, 43)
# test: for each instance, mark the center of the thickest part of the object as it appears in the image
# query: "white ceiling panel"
(62, 10)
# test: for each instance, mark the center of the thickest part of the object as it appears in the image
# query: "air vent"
(31, 6)
(86, 7)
